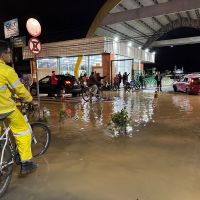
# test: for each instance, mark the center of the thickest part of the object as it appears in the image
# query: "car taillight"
(68, 82)
(192, 82)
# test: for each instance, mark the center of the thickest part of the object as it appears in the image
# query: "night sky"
(60, 19)
(186, 56)
(65, 20)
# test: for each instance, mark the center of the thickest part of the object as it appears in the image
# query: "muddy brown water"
(159, 160)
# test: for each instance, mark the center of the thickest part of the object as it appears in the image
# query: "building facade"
(100, 54)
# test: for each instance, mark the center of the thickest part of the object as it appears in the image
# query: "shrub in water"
(120, 120)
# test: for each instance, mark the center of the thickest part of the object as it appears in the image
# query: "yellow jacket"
(9, 82)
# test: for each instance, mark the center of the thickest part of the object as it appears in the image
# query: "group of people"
(119, 78)
(94, 81)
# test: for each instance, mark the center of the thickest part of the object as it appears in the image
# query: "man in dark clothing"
(99, 78)
(141, 80)
(120, 78)
(158, 78)
(125, 78)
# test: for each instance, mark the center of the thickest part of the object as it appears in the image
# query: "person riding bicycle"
(92, 83)
(10, 84)
(99, 79)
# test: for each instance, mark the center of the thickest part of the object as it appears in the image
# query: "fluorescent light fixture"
(139, 47)
(130, 44)
(116, 39)
(146, 50)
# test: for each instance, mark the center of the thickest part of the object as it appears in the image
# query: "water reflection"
(140, 108)
(182, 102)
(93, 113)
(163, 156)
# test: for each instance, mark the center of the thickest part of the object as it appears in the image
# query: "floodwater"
(158, 160)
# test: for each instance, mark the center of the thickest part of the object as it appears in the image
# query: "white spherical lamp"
(33, 27)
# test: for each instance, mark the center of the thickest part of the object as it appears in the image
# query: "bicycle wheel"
(127, 88)
(6, 171)
(99, 94)
(41, 137)
(137, 86)
(86, 94)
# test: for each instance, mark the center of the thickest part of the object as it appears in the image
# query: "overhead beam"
(151, 11)
(184, 22)
(175, 42)
(106, 8)
(107, 28)
(141, 22)
(153, 18)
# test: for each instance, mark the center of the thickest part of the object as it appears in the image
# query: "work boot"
(27, 167)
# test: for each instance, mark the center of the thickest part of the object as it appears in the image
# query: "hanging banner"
(11, 28)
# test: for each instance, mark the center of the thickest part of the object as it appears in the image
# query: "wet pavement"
(158, 160)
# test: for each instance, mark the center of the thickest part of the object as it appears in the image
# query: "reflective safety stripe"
(16, 83)
(10, 87)
(22, 133)
(2, 88)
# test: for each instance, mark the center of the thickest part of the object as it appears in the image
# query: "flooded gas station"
(158, 159)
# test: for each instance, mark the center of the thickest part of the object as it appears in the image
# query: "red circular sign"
(34, 45)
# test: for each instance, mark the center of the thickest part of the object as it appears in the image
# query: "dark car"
(68, 83)
(189, 83)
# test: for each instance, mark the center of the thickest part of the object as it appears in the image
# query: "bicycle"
(41, 137)
(88, 93)
(131, 86)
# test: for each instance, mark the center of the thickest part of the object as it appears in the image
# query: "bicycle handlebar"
(26, 106)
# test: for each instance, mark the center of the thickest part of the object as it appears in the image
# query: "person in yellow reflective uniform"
(10, 83)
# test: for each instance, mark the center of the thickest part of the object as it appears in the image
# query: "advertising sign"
(19, 41)
(11, 28)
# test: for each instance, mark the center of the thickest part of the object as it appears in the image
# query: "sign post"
(35, 47)
(34, 29)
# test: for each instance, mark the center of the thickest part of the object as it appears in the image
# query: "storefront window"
(84, 66)
(47, 63)
(123, 64)
(66, 65)
(94, 61)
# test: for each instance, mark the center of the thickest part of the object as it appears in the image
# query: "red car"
(189, 83)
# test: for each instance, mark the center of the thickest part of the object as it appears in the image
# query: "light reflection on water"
(182, 102)
(140, 108)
